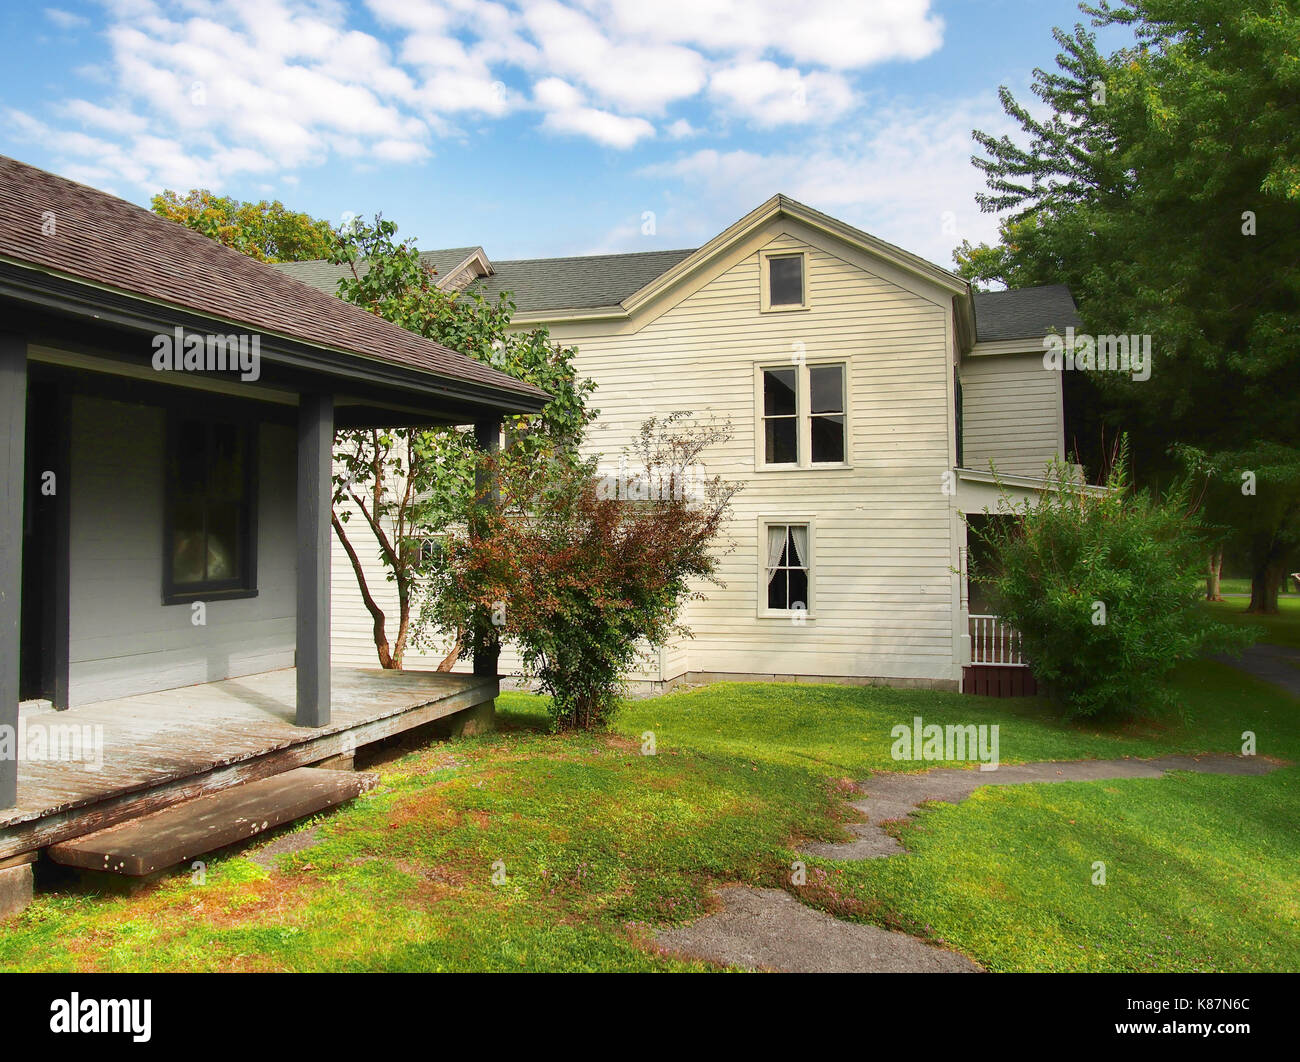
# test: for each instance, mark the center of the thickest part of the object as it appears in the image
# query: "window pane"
(777, 588)
(191, 457)
(227, 470)
(798, 588)
(187, 542)
(827, 389)
(781, 435)
(828, 438)
(223, 540)
(779, 392)
(785, 280)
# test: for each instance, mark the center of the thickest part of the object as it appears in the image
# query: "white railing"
(993, 641)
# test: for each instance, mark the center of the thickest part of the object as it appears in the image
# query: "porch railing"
(994, 641)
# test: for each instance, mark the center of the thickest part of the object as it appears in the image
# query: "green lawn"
(1282, 629)
(597, 841)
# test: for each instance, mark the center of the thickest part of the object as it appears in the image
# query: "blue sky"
(532, 127)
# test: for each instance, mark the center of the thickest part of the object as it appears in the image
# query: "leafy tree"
(583, 571)
(1163, 185)
(1104, 588)
(411, 486)
(267, 231)
(1256, 493)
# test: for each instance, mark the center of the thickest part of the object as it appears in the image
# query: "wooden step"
(178, 833)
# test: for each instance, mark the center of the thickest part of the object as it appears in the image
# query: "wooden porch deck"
(157, 749)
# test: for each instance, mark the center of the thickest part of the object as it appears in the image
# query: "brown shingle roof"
(108, 241)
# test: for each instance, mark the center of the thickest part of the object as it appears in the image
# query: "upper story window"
(803, 415)
(210, 548)
(783, 280)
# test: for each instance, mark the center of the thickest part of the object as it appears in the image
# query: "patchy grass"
(597, 842)
(593, 838)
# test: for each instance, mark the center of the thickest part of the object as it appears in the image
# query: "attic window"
(784, 282)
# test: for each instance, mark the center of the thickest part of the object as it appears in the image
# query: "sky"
(533, 127)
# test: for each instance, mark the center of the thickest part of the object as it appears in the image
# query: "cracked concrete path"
(896, 796)
(768, 929)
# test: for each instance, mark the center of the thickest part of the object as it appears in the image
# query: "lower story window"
(210, 509)
(788, 567)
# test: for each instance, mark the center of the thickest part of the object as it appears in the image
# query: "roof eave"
(127, 309)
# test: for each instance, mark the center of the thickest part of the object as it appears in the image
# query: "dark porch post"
(13, 469)
(487, 649)
(315, 456)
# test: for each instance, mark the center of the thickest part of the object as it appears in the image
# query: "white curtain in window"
(775, 545)
(800, 536)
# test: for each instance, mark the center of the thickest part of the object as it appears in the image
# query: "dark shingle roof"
(577, 283)
(1024, 313)
(324, 275)
(110, 242)
(537, 283)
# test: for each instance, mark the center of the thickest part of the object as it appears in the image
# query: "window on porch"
(210, 510)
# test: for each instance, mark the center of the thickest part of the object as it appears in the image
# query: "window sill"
(820, 466)
(190, 596)
(786, 616)
(803, 308)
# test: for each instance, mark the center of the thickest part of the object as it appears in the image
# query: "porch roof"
(104, 245)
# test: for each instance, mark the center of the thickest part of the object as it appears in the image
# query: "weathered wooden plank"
(173, 755)
(13, 431)
(162, 839)
(315, 454)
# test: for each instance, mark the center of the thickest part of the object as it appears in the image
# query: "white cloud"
(906, 179)
(64, 19)
(566, 113)
(771, 95)
(245, 86)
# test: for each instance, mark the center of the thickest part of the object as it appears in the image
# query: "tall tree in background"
(1163, 185)
(267, 231)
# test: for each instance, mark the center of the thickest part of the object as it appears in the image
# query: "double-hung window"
(210, 510)
(787, 567)
(803, 415)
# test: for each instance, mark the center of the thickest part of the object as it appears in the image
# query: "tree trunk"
(1213, 575)
(1265, 582)
(376, 613)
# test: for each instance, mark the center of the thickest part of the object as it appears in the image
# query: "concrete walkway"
(768, 929)
(896, 796)
(1277, 664)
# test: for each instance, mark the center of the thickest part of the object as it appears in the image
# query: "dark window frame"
(244, 584)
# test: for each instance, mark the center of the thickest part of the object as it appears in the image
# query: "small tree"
(410, 485)
(1104, 588)
(582, 571)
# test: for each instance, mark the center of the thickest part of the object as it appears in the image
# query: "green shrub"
(1104, 587)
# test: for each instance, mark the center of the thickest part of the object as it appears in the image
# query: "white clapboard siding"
(352, 642)
(122, 639)
(882, 543)
(1011, 413)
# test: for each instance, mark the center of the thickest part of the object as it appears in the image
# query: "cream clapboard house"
(869, 393)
